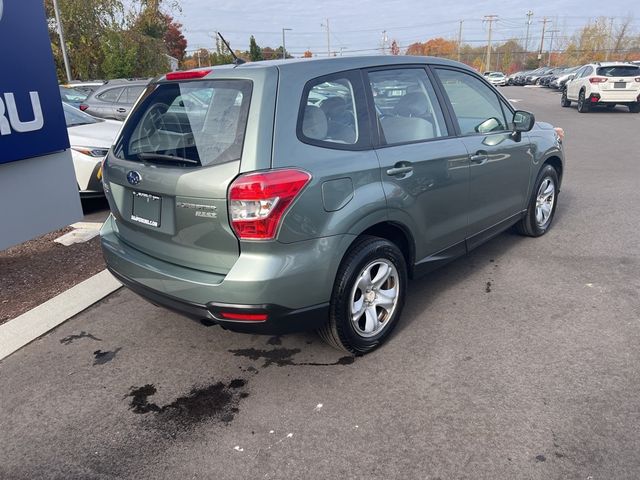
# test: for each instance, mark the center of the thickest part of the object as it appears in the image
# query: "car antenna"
(236, 61)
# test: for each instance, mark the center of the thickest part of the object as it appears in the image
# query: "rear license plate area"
(620, 85)
(146, 209)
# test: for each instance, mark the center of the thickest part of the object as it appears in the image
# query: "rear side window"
(475, 104)
(329, 113)
(618, 71)
(130, 95)
(406, 106)
(188, 124)
(110, 95)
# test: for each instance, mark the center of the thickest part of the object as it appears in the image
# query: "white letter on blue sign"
(38, 120)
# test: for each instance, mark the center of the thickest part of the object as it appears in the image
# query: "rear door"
(105, 103)
(126, 101)
(424, 167)
(499, 163)
(167, 176)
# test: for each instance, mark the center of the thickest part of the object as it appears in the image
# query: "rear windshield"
(188, 124)
(619, 71)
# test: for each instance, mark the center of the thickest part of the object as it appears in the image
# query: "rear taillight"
(258, 201)
(597, 80)
(83, 107)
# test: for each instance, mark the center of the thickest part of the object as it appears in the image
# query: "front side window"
(329, 112)
(188, 124)
(406, 106)
(475, 104)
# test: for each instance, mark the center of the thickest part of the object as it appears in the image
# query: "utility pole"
(544, 26)
(63, 46)
(489, 19)
(384, 42)
(609, 40)
(526, 38)
(551, 46)
(459, 39)
(284, 49)
(326, 25)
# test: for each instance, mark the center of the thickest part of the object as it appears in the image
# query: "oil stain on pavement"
(69, 339)
(284, 357)
(104, 357)
(214, 401)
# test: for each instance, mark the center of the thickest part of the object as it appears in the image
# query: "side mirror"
(523, 121)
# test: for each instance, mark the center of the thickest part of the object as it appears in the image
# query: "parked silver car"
(114, 99)
(303, 194)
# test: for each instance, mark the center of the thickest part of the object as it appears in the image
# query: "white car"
(90, 139)
(604, 84)
(497, 78)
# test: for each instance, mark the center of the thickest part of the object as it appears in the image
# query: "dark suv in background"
(291, 195)
(114, 99)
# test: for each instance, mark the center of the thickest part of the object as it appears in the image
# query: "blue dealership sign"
(31, 117)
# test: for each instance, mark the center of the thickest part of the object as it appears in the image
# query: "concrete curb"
(22, 330)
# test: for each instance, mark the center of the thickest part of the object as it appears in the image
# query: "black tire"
(634, 107)
(340, 331)
(583, 104)
(564, 101)
(529, 225)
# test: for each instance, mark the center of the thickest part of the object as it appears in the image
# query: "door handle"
(399, 170)
(479, 158)
(121, 110)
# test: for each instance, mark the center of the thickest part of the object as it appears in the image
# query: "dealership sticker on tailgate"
(146, 209)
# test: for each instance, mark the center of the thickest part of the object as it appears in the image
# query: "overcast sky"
(357, 26)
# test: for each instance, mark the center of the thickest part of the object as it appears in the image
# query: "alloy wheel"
(374, 298)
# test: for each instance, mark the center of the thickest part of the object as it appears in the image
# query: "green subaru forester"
(303, 194)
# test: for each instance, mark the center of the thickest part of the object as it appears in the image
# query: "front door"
(500, 163)
(424, 168)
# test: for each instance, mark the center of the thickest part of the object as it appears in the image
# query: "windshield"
(74, 117)
(497, 74)
(618, 71)
(188, 124)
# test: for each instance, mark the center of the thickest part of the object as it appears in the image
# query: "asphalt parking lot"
(520, 361)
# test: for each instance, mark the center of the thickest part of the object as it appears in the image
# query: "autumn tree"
(307, 54)
(395, 49)
(173, 38)
(85, 23)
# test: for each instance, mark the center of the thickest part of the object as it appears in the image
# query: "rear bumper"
(279, 319)
(609, 96)
(290, 283)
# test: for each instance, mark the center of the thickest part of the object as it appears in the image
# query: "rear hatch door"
(167, 176)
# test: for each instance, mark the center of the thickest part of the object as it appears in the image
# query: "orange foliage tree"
(437, 47)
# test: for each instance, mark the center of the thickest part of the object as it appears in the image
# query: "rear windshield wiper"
(166, 158)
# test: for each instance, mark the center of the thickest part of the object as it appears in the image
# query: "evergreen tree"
(255, 52)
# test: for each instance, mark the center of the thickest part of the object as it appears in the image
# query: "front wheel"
(368, 296)
(542, 205)
(564, 101)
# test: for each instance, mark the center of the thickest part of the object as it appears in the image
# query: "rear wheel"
(583, 105)
(542, 206)
(368, 296)
(634, 107)
(564, 101)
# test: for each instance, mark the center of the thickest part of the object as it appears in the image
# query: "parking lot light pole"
(284, 49)
(63, 47)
